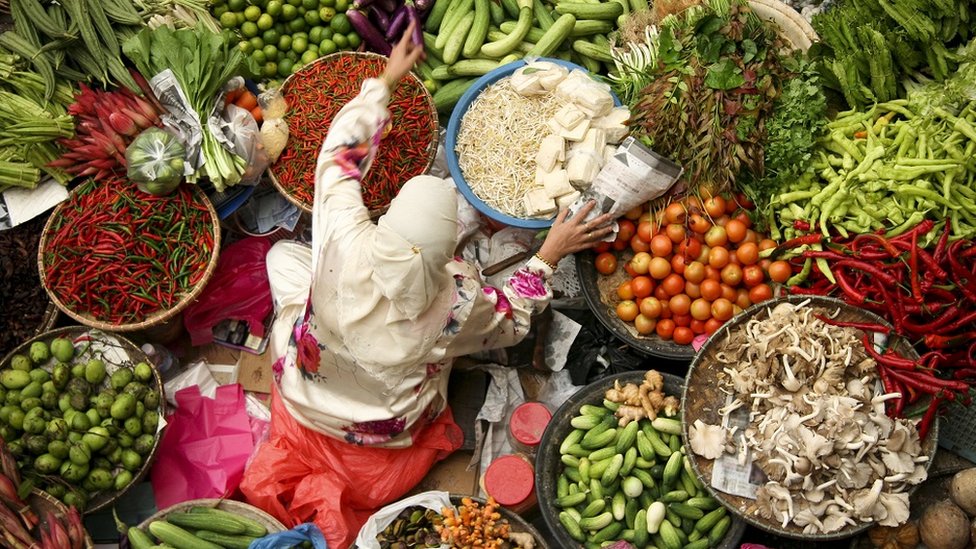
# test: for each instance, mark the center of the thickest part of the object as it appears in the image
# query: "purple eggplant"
(387, 5)
(379, 17)
(369, 33)
(397, 23)
(423, 5)
(418, 31)
(360, 4)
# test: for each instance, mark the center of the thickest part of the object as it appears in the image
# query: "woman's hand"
(403, 58)
(566, 237)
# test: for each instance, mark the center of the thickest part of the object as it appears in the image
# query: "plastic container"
(526, 426)
(165, 361)
(510, 479)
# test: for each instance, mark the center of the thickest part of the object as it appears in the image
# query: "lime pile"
(282, 36)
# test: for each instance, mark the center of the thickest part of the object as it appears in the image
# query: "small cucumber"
(613, 470)
(599, 522)
(572, 438)
(660, 448)
(584, 470)
(571, 500)
(669, 535)
(646, 479)
(589, 409)
(655, 516)
(607, 533)
(627, 437)
(178, 537)
(705, 503)
(700, 544)
(596, 489)
(608, 11)
(569, 460)
(640, 528)
(719, 530)
(586, 421)
(562, 486)
(674, 496)
(594, 508)
(707, 522)
(599, 441)
(572, 526)
(553, 38)
(630, 460)
(618, 506)
(667, 425)
(672, 469)
(602, 454)
(686, 511)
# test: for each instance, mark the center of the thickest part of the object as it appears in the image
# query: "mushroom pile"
(817, 424)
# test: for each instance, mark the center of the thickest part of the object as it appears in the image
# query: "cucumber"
(448, 95)
(705, 503)
(667, 425)
(553, 38)
(436, 15)
(225, 540)
(644, 447)
(596, 523)
(607, 533)
(613, 470)
(640, 528)
(630, 460)
(655, 516)
(686, 511)
(511, 8)
(602, 454)
(594, 508)
(700, 544)
(571, 500)
(672, 469)
(465, 67)
(600, 441)
(572, 526)
(618, 506)
(199, 521)
(629, 433)
(562, 486)
(455, 43)
(252, 527)
(674, 496)
(719, 530)
(608, 11)
(139, 539)
(569, 460)
(451, 20)
(497, 13)
(501, 48)
(589, 27)
(593, 51)
(638, 5)
(596, 489)
(178, 537)
(586, 421)
(542, 15)
(589, 409)
(479, 29)
(707, 522)
(669, 535)
(572, 438)
(660, 448)
(584, 470)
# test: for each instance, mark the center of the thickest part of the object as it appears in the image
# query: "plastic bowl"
(454, 125)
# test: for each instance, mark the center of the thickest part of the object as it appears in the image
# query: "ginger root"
(628, 394)
(654, 380)
(646, 400)
(523, 540)
(628, 413)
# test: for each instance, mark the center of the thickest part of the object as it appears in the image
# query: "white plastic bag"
(433, 500)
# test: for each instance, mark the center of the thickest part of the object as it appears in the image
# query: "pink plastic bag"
(239, 290)
(204, 448)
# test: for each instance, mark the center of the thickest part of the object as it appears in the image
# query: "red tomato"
(661, 245)
(715, 206)
(690, 248)
(601, 247)
(721, 309)
(732, 274)
(646, 231)
(661, 295)
(697, 326)
(752, 275)
(766, 244)
(640, 262)
(673, 284)
(748, 253)
(627, 310)
(712, 325)
(651, 307)
(634, 213)
(693, 290)
(718, 257)
(701, 309)
(620, 245)
(630, 270)
(780, 271)
(760, 293)
(751, 236)
(711, 289)
(606, 263)
(664, 328)
(675, 232)
(626, 229)
(742, 298)
(721, 221)
(736, 230)
(765, 263)
(743, 200)
(680, 304)
(644, 325)
(716, 236)
(642, 286)
(659, 268)
(639, 245)
(712, 273)
(730, 204)
(681, 320)
(678, 264)
(625, 291)
(745, 218)
(675, 213)
(683, 335)
(698, 224)
(695, 272)
(728, 292)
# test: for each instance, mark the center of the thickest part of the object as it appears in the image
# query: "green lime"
(271, 52)
(228, 20)
(256, 43)
(270, 69)
(299, 45)
(309, 56)
(259, 57)
(284, 43)
(249, 29)
(252, 13)
(327, 46)
(354, 40)
(240, 17)
(299, 65)
(301, 11)
(295, 3)
(271, 36)
(288, 12)
(296, 25)
(315, 34)
(341, 5)
(218, 3)
(229, 36)
(310, 4)
(327, 34)
(326, 14)
(312, 18)
(260, 3)
(245, 47)
(291, 55)
(313, 47)
(220, 10)
(326, 3)
(274, 8)
(341, 41)
(284, 68)
(237, 5)
(340, 23)
(265, 22)
(280, 27)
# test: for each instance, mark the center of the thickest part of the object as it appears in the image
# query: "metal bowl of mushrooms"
(789, 427)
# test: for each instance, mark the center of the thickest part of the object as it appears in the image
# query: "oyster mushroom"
(707, 440)
(896, 507)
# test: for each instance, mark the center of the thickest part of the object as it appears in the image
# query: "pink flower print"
(309, 353)
(433, 369)
(528, 284)
(350, 159)
(278, 368)
(502, 305)
(374, 432)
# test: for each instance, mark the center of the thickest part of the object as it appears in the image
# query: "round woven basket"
(430, 151)
(793, 27)
(238, 508)
(43, 502)
(154, 319)
(135, 355)
(705, 393)
(516, 522)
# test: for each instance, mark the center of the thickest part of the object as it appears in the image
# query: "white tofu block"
(551, 79)
(594, 100)
(527, 85)
(594, 140)
(540, 175)
(618, 116)
(583, 168)
(554, 126)
(608, 153)
(551, 151)
(566, 200)
(577, 133)
(537, 202)
(557, 183)
(569, 116)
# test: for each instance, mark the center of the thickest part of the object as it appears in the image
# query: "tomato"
(731, 205)
(716, 236)
(626, 229)
(683, 335)
(760, 293)
(625, 291)
(681, 320)
(712, 273)
(698, 224)
(732, 274)
(721, 309)
(661, 295)
(743, 200)
(639, 245)
(680, 304)
(627, 310)
(693, 204)
(697, 326)
(780, 271)
(715, 206)
(646, 230)
(751, 236)
(695, 272)
(678, 264)
(728, 292)
(693, 290)
(718, 257)
(748, 253)
(675, 232)
(620, 245)
(734, 259)
(601, 247)
(711, 289)
(659, 268)
(701, 309)
(606, 263)
(744, 218)
(765, 263)
(664, 328)
(690, 248)
(673, 284)
(766, 244)
(630, 270)
(642, 286)
(640, 262)
(752, 275)
(651, 307)
(661, 245)
(712, 325)
(736, 230)
(644, 325)
(675, 213)
(722, 221)
(634, 213)
(742, 298)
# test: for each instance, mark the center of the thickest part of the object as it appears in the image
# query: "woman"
(370, 318)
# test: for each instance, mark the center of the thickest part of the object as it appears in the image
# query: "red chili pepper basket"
(317, 92)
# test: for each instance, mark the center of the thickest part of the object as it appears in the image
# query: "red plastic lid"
(528, 422)
(510, 480)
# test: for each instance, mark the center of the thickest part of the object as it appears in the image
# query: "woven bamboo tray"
(42, 503)
(517, 524)
(238, 508)
(431, 150)
(134, 356)
(703, 396)
(154, 319)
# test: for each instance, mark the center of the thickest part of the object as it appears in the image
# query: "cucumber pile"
(465, 39)
(633, 483)
(198, 528)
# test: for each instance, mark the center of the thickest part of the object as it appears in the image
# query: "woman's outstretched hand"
(573, 235)
(404, 56)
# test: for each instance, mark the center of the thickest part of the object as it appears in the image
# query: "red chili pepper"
(918, 230)
(809, 239)
(928, 418)
(854, 296)
(936, 341)
(801, 225)
(882, 242)
(864, 326)
(869, 269)
(941, 248)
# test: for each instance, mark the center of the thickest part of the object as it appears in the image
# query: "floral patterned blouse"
(321, 384)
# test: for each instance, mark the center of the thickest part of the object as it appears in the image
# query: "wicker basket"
(793, 27)
(4, 7)
(135, 355)
(231, 506)
(43, 502)
(154, 319)
(704, 395)
(431, 150)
